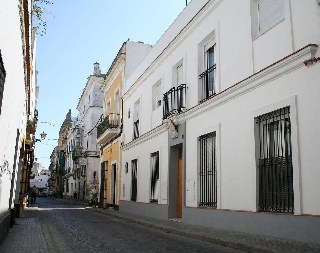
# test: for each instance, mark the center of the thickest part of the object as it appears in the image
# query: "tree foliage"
(38, 15)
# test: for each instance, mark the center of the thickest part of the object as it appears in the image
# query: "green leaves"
(38, 11)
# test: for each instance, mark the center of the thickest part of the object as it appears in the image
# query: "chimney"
(96, 69)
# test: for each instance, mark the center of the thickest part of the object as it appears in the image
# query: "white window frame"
(269, 17)
(157, 95)
(292, 102)
(214, 128)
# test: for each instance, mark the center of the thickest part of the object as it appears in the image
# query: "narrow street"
(73, 228)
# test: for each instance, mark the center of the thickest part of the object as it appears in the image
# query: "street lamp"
(43, 136)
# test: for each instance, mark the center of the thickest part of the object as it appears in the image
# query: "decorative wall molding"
(171, 128)
(289, 63)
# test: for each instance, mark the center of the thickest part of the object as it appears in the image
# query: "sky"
(79, 33)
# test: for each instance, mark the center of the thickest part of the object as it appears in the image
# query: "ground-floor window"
(134, 171)
(274, 162)
(208, 170)
(154, 180)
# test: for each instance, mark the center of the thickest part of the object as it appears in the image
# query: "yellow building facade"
(108, 134)
(109, 131)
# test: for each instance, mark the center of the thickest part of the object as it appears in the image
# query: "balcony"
(76, 153)
(108, 128)
(174, 100)
(208, 83)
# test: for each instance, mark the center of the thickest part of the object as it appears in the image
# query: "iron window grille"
(136, 133)
(208, 77)
(154, 191)
(134, 171)
(274, 163)
(208, 170)
(2, 80)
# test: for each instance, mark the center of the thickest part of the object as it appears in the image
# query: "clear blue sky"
(79, 33)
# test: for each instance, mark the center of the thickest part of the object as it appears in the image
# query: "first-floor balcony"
(174, 100)
(76, 153)
(108, 128)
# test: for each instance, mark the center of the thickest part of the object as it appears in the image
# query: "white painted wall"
(153, 143)
(90, 109)
(41, 179)
(135, 53)
(13, 113)
(241, 52)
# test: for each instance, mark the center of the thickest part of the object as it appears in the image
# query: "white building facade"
(39, 178)
(70, 166)
(221, 120)
(18, 116)
(87, 151)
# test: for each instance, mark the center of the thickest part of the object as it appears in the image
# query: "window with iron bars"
(134, 171)
(208, 82)
(274, 162)
(2, 80)
(208, 170)
(136, 117)
(154, 184)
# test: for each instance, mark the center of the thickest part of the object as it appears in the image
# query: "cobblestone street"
(56, 226)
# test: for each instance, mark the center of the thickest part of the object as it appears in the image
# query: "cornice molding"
(145, 137)
(263, 77)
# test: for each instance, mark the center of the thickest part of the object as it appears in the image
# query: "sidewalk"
(27, 235)
(236, 240)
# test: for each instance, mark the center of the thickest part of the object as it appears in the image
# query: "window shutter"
(271, 12)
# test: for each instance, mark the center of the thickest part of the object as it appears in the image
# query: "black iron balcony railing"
(110, 121)
(136, 133)
(76, 152)
(174, 100)
(208, 83)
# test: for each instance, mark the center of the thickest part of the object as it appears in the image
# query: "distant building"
(39, 178)
(110, 129)
(58, 158)
(86, 150)
(70, 166)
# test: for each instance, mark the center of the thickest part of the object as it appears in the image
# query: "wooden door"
(179, 193)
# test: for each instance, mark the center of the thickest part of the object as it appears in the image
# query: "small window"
(208, 170)
(136, 115)
(154, 180)
(270, 12)
(208, 77)
(2, 80)
(134, 182)
(179, 74)
(126, 168)
(156, 95)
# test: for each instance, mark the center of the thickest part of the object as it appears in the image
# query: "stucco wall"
(13, 111)
(142, 151)
(110, 154)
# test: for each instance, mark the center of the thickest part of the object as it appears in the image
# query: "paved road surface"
(72, 228)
